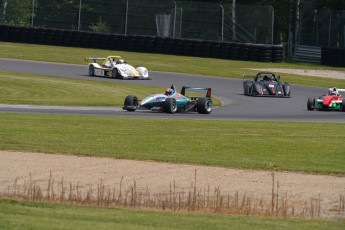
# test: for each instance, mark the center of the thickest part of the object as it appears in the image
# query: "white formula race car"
(115, 67)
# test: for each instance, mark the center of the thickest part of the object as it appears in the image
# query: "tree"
(16, 12)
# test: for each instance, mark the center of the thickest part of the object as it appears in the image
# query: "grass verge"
(31, 215)
(167, 63)
(16, 88)
(291, 146)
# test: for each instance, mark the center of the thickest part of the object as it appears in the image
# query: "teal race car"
(171, 101)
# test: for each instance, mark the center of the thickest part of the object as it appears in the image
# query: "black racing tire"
(170, 105)
(204, 105)
(343, 105)
(131, 103)
(311, 104)
(251, 90)
(91, 70)
(114, 73)
(245, 89)
(286, 94)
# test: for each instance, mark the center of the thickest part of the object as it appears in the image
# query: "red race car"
(331, 101)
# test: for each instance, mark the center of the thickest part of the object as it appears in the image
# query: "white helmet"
(333, 91)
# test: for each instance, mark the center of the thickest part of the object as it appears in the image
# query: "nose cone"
(327, 101)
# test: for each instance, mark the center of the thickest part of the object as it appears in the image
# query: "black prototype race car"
(265, 84)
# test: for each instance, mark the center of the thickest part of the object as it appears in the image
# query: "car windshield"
(266, 78)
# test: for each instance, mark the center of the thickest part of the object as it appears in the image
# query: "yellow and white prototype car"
(115, 67)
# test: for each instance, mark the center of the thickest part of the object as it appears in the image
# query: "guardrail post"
(126, 17)
(222, 35)
(79, 15)
(33, 13)
(272, 24)
(174, 19)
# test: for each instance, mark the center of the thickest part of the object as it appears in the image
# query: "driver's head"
(169, 92)
(121, 61)
(333, 91)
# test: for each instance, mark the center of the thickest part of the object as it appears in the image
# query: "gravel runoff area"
(157, 177)
(308, 72)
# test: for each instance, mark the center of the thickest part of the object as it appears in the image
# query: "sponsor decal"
(99, 72)
(160, 99)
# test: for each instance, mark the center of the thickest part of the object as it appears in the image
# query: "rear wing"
(183, 90)
(247, 76)
(251, 76)
(95, 59)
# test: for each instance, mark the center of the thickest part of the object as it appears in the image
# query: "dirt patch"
(158, 177)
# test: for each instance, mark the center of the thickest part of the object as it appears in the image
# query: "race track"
(236, 106)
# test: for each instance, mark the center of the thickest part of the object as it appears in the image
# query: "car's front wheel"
(204, 105)
(170, 105)
(311, 104)
(91, 70)
(131, 103)
(251, 91)
(343, 105)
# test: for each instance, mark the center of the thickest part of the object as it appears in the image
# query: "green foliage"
(101, 27)
(16, 12)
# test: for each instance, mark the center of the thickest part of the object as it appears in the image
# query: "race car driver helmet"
(121, 61)
(169, 92)
(333, 91)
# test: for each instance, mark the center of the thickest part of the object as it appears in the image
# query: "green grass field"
(30, 215)
(292, 146)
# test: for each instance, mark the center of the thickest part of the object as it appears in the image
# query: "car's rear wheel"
(311, 104)
(170, 105)
(204, 105)
(114, 73)
(131, 103)
(91, 70)
(343, 105)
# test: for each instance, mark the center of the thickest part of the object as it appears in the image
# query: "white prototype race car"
(115, 67)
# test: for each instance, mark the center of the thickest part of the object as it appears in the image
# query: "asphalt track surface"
(235, 106)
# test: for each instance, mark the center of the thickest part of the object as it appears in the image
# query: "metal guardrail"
(307, 54)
